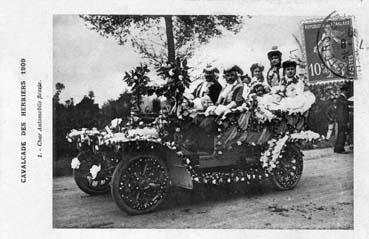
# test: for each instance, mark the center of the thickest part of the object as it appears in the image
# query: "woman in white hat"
(274, 73)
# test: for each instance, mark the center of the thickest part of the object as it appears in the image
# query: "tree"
(119, 108)
(91, 95)
(69, 103)
(59, 87)
(157, 38)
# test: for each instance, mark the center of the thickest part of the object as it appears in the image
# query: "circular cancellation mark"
(335, 48)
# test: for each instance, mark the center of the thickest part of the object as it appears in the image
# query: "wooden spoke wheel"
(83, 177)
(140, 184)
(288, 171)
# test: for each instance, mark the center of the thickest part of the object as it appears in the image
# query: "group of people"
(211, 97)
(281, 81)
(210, 101)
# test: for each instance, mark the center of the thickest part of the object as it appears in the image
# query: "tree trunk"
(170, 38)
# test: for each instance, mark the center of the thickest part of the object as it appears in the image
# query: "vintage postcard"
(232, 118)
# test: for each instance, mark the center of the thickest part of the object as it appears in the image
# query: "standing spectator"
(351, 122)
(330, 116)
(342, 117)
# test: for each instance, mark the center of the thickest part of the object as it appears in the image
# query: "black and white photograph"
(203, 121)
(184, 119)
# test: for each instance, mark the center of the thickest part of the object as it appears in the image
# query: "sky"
(85, 61)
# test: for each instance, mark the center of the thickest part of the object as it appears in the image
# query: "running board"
(210, 161)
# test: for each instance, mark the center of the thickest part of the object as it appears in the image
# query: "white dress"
(297, 100)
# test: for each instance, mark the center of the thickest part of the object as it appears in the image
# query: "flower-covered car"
(140, 159)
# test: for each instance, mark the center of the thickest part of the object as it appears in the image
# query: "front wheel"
(83, 178)
(140, 184)
(288, 171)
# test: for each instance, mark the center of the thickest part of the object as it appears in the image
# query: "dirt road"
(322, 200)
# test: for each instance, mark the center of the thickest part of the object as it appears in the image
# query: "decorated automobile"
(138, 159)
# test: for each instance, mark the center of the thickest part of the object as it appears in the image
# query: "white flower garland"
(94, 170)
(75, 163)
(263, 114)
(218, 178)
(270, 156)
(304, 135)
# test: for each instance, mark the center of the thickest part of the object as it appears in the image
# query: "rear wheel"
(83, 177)
(140, 184)
(288, 171)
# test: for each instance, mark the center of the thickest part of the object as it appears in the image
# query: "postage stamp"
(330, 49)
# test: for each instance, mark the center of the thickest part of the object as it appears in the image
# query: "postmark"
(329, 49)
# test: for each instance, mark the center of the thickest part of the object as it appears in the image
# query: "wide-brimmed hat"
(289, 63)
(210, 69)
(234, 68)
(274, 52)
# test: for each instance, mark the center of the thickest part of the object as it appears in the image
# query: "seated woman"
(257, 81)
(206, 93)
(210, 87)
(290, 95)
(258, 77)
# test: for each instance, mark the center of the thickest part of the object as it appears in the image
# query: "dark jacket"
(214, 90)
(342, 110)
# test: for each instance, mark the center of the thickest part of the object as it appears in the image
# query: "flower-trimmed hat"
(210, 69)
(274, 52)
(256, 65)
(289, 63)
(254, 86)
(235, 68)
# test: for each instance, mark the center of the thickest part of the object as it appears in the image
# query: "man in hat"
(342, 118)
(274, 73)
(231, 95)
(210, 86)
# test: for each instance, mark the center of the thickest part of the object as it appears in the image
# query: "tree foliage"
(177, 80)
(148, 34)
(137, 80)
(85, 114)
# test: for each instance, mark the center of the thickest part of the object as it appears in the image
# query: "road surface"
(322, 200)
